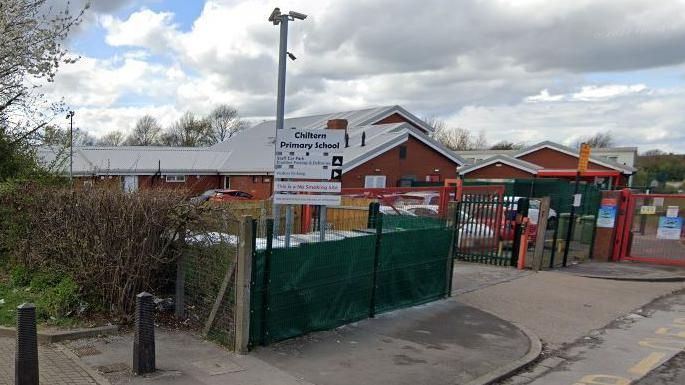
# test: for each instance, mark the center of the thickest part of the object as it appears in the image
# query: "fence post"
(264, 332)
(144, 335)
(376, 259)
(26, 355)
(543, 215)
(453, 224)
(243, 280)
(179, 306)
(521, 212)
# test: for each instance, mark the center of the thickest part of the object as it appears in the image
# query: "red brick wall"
(194, 184)
(257, 187)
(553, 159)
(421, 161)
(396, 118)
(493, 172)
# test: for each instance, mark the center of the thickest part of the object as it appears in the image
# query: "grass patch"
(56, 297)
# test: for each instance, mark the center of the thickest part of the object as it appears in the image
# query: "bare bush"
(113, 244)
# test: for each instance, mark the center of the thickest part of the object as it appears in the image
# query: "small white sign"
(577, 198)
(298, 159)
(672, 211)
(307, 173)
(648, 210)
(305, 199)
(658, 201)
(319, 187)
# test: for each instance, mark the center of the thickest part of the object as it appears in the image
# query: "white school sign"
(313, 155)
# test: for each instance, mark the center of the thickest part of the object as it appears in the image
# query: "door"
(130, 183)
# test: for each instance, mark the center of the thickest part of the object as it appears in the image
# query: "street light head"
(275, 16)
(291, 56)
(70, 114)
(297, 15)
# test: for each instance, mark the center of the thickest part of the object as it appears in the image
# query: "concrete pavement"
(55, 366)
(623, 352)
(443, 342)
(561, 308)
(626, 271)
(182, 359)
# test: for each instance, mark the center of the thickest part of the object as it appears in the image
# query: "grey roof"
(560, 147)
(251, 151)
(140, 160)
(502, 158)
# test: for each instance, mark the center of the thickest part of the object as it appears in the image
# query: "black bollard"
(144, 338)
(26, 357)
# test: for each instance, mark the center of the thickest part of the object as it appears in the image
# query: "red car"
(226, 195)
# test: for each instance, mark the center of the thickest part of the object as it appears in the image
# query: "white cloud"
(507, 67)
(145, 28)
(646, 118)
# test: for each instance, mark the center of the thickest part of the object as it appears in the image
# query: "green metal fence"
(319, 285)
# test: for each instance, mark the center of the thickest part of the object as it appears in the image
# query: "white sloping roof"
(505, 159)
(253, 150)
(141, 160)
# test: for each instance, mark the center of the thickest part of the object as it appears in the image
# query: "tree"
(146, 132)
(225, 123)
(31, 51)
(456, 139)
(653, 152)
(598, 140)
(189, 131)
(506, 145)
(55, 136)
(113, 138)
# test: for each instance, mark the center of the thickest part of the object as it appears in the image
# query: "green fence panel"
(257, 290)
(316, 286)
(412, 267)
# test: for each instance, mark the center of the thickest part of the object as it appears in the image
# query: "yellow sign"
(648, 210)
(584, 157)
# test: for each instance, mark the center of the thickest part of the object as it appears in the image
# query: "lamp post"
(282, 19)
(70, 116)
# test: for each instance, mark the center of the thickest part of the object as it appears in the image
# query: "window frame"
(175, 178)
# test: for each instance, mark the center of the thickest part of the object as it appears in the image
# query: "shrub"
(20, 276)
(60, 300)
(112, 244)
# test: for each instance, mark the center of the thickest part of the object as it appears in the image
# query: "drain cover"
(86, 350)
(113, 368)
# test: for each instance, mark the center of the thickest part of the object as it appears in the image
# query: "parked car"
(204, 197)
(420, 198)
(390, 210)
(226, 195)
(423, 210)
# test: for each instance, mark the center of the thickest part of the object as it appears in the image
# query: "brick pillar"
(337, 124)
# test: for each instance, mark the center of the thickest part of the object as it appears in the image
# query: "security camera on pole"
(277, 18)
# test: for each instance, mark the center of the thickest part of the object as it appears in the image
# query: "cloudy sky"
(517, 70)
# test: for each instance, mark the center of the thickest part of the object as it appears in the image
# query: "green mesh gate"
(321, 285)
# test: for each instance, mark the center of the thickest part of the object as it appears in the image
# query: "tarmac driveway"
(444, 342)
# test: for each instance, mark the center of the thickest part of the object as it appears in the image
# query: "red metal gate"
(650, 229)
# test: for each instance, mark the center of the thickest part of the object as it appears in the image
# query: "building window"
(403, 152)
(374, 181)
(176, 178)
(433, 178)
(266, 179)
(256, 179)
(227, 181)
